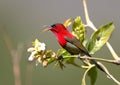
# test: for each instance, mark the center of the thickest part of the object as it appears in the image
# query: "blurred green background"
(21, 20)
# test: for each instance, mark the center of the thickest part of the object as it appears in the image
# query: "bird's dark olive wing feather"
(77, 43)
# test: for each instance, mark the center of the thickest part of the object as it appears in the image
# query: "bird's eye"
(54, 25)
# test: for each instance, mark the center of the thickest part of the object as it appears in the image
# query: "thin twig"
(88, 21)
(112, 51)
(108, 74)
(101, 59)
(94, 58)
(84, 76)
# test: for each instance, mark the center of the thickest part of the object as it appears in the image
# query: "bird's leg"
(84, 59)
(79, 55)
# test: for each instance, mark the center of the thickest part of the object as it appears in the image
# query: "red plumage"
(60, 31)
(67, 40)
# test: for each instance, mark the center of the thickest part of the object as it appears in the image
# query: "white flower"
(30, 49)
(38, 46)
(42, 46)
(32, 56)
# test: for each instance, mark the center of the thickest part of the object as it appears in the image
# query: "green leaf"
(93, 75)
(78, 29)
(71, 60)
(100, 37)
(67, 57)
(62, 52)
(35, 42)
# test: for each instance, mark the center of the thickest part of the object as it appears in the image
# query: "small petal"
(39, 60)
(30, 49)
(53, 55)
(45, 63)
(36, 41)
(37, 44)
(42, 46)
(44, 56)
(31, 58)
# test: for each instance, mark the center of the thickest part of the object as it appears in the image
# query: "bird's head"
(60, 32)
(58, 28)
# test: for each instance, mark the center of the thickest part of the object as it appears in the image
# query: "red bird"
(69, 42)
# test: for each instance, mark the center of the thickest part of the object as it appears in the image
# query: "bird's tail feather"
(98, 66)
(96, 63)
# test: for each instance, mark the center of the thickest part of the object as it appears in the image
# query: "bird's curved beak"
(46, 28)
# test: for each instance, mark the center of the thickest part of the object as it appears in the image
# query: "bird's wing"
(77, 43)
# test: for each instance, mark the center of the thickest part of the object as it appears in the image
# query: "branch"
(103, 60)
(108, 74)
(91, 25)
(117, 62)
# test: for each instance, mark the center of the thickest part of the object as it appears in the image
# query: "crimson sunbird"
(70, 43)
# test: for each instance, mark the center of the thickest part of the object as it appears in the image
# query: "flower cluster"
(39, 53)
